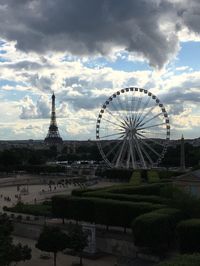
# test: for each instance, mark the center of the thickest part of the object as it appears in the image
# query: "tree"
(52, 239)
(8, 251)
(78, 240)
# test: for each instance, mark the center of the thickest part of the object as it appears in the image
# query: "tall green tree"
(52, 239)
(78, 240)
(8, 251)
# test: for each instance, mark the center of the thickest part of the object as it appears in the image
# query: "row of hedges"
(125, 197)
(32, 209)
(149, 189)
(100, 211)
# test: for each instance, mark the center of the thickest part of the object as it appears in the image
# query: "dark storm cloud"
(24, 65)
(93, 26)
(189, 12)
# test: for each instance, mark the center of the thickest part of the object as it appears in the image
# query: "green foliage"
(32, 209)
(135, 178)
(189, 235)
(8, 251)
(101, 211)
(78, 239)
(153, 176)
(182, 260)
(52, 239)
(156, 230)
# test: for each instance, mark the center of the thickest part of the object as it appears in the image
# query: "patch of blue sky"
(3, 60)
(16, 95)
(3, 51)
(188, 55)
(4, 82)
(121, 64)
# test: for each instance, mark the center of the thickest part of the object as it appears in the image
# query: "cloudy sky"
(84, 51)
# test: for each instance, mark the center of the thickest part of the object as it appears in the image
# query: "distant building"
(53, 137)
(182, 160)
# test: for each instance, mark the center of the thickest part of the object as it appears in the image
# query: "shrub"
(153, 176)
(189, 235)
(135, 178)
(33, 209)
(156, 230)
(183, 260)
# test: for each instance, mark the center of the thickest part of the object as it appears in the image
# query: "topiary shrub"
(189, 235)
(135, 179)
(182, 260)
(156, 230)
(153, 176)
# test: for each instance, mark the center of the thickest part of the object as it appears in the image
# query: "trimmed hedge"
(100, 211)
(79, 192)
(189, 235)
(32, 209)
(136, 178)
(183, 260)
(125, 197)
(150, 189)
(156, 230)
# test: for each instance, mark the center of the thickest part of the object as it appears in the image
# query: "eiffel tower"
(53, 137)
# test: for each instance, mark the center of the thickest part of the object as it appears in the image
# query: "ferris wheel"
(133, 129)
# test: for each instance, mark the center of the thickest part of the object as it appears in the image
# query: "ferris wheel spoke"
(128, 159)
(133, 105)
(140, 153)
(112, 149)
(109, 121)
(155, 133)
(113, 116)
(121, 151)
(117, 153)
(150, 148)
(150, 119)
(132, 154)
(147, 113)
(150, 139)
(147, 155)
(127, 106)
(121, 105)
(116, 109)
(144, 108)
(138, 108)
(156, 125)
(112, 135)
